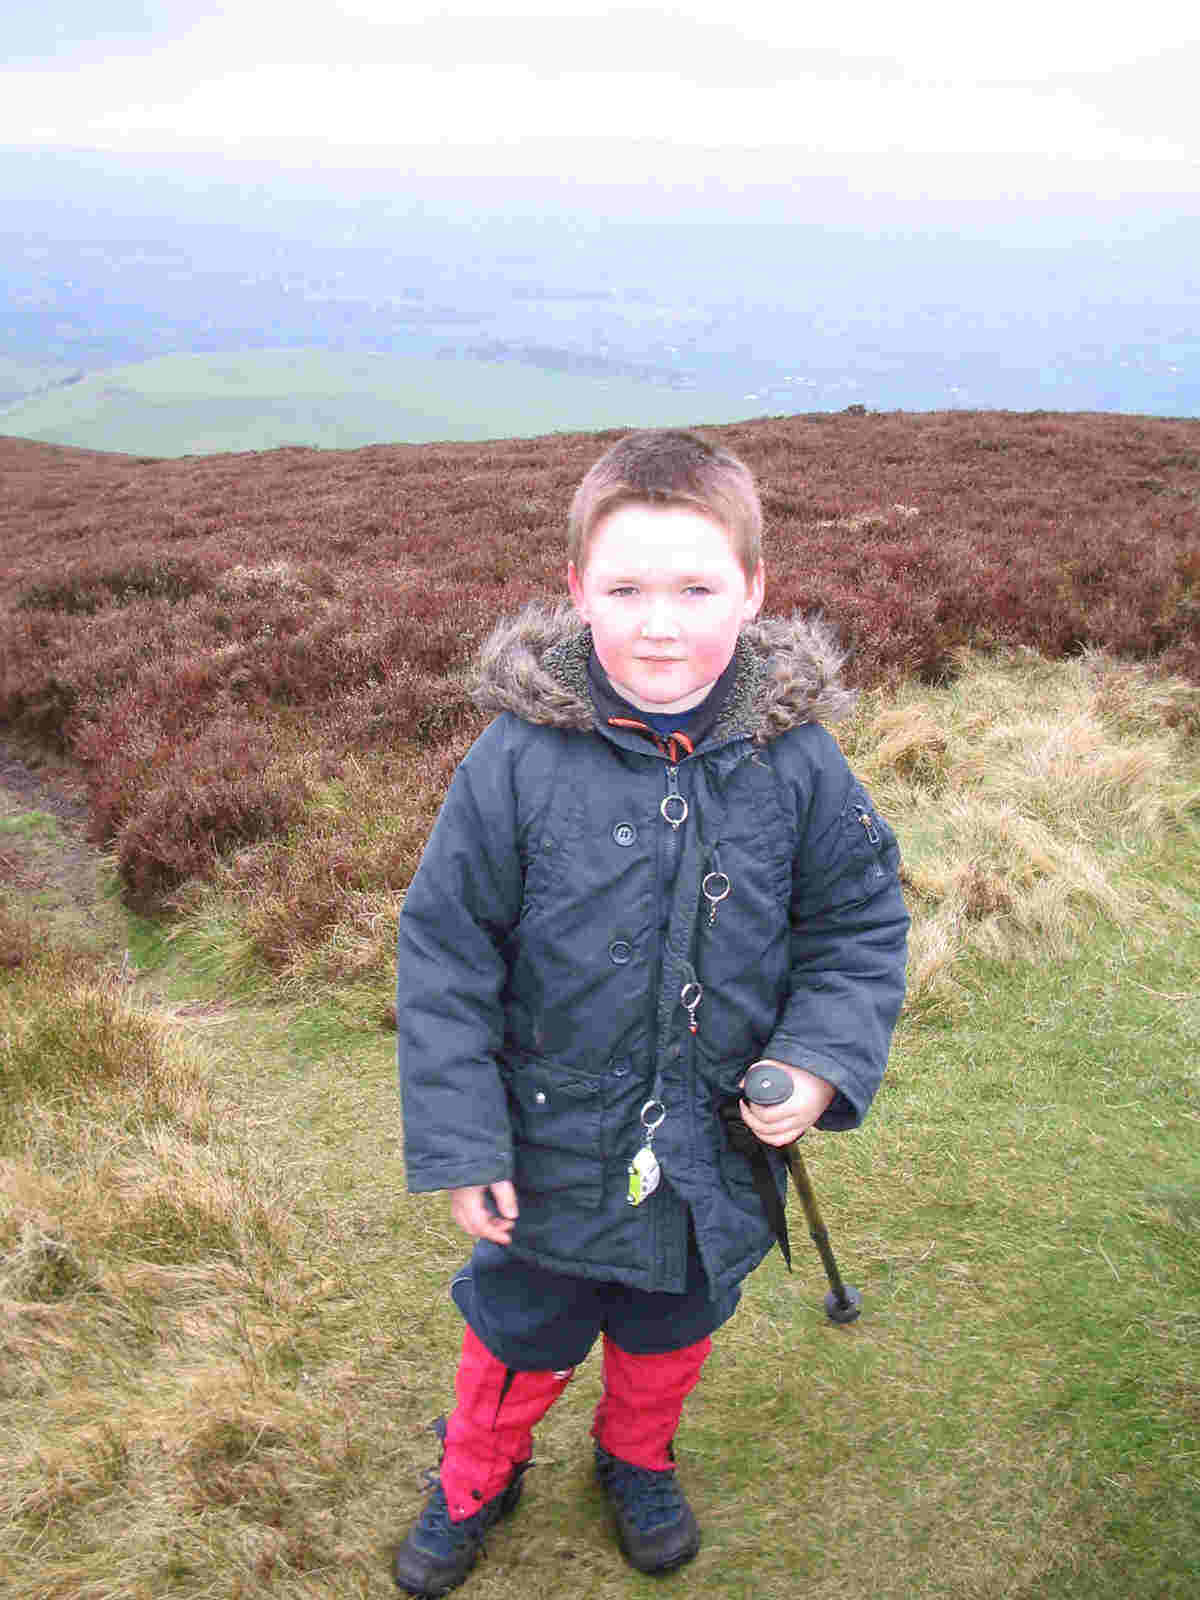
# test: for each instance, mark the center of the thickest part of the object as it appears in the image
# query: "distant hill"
(259, 400)
(794, 307)
(22, 381)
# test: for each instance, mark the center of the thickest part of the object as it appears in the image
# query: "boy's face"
(666, 598)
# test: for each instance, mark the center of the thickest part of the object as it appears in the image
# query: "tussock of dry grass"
(1031, 799)
(147, 1276)
(320, 908)
(222, 1482)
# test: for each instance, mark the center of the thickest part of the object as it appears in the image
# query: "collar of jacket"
(698, 723)
(787, 672)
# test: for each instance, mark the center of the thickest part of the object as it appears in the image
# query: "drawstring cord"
(675, 746)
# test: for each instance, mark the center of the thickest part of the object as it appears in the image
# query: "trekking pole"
(767, 1086)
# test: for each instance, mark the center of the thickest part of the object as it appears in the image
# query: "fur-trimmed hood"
(535, 665)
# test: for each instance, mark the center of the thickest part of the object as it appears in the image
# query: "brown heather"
(213, 641)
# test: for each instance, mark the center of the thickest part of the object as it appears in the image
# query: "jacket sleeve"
(849, 934)
(460, 907)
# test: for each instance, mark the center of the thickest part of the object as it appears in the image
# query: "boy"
(653, 869)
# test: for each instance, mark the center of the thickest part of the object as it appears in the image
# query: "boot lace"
(438, 1533)
(648, 1499)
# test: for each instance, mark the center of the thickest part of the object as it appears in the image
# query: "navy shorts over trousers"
(535, 1320)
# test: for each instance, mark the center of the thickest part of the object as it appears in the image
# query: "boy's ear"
(754, 596)
(576, 590)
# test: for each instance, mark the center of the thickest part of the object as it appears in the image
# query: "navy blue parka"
(550, 935)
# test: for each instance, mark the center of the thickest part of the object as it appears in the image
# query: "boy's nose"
(659, 622)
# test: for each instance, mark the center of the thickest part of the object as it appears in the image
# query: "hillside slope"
(209, 642)
(260, 400)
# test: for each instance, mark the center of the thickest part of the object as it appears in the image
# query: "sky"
(934, 95)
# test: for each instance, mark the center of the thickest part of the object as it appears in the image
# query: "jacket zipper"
(868, 822)
(674, 809)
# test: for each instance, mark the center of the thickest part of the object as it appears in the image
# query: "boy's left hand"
(784, 1123)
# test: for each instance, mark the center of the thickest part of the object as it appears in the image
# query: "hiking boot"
(438, 1554)
(655, 1525)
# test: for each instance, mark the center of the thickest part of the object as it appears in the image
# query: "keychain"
(716, 887)
(690, 997)
(644, 1170)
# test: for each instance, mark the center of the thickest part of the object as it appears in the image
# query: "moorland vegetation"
(230, 648)
(223, 1325)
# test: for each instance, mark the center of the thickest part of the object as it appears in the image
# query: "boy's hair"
(663, 467)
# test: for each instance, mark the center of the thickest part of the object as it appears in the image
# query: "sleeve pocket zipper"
(868, 822)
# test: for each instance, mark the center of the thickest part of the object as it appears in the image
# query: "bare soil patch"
(46, 863)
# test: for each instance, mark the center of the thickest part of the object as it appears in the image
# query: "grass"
(1037, 799)
(46, 869)
(30, 824)
(260, 400)
(224, 1326)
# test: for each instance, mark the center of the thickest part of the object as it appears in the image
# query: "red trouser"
(491, 1429)
(643, 1397)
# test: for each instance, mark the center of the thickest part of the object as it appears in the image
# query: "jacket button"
(539, 1098)
(624, 834)
(620, 951)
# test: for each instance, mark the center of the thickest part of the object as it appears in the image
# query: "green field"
(23, 381)
(260, 400)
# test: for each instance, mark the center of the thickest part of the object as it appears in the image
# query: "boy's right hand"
(486, 1211)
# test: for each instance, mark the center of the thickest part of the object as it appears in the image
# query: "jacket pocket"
(557, 1120)
(870, 843)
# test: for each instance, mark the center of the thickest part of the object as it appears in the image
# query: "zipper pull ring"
(673, 808)
(716, 887)
(690, 997)
(868, 822)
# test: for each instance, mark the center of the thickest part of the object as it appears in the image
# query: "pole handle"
(766, 1085)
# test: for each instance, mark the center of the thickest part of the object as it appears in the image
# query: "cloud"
(1032, 81)
(385, 105)
(625, 43)
(96, 30)
(1026, 40)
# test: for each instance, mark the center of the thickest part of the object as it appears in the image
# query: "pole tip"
(843, 1310)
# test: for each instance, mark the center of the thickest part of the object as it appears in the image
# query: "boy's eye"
(622, 589)
(697, 588)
